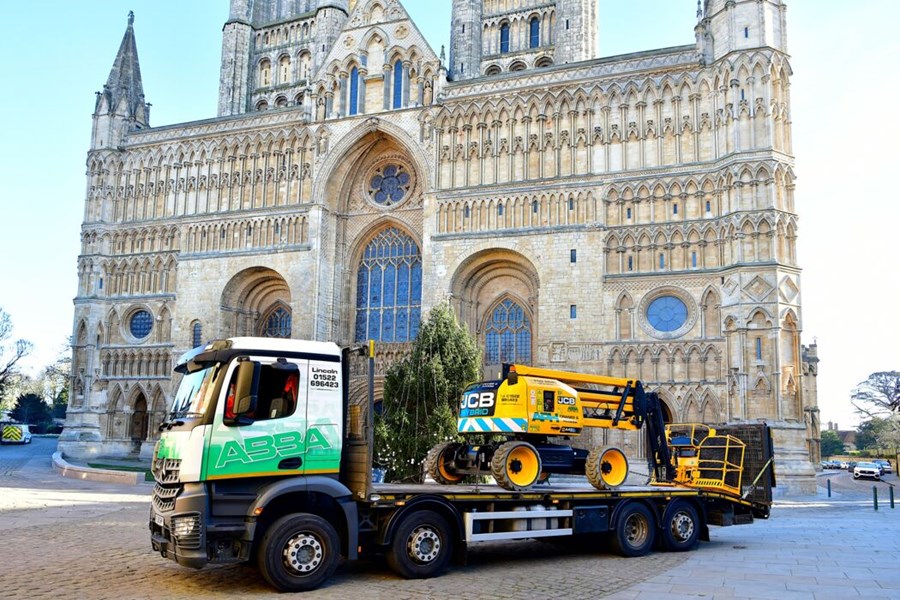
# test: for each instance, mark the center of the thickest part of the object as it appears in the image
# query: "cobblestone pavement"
(65, 538)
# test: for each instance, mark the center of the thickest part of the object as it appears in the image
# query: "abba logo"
(477, 404)
(269, 447)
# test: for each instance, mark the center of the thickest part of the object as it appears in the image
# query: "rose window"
(390, 185)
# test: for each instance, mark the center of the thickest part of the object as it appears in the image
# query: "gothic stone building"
(631, 215)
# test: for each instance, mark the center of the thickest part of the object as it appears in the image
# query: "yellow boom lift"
(508, 425)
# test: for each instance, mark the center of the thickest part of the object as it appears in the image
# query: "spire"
(124, 89)
(121, 107)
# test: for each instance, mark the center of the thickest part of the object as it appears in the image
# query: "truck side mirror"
(247, 389)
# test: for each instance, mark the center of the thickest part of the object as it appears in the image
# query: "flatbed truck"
(264, 460)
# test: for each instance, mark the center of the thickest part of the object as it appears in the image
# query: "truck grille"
(166, 471)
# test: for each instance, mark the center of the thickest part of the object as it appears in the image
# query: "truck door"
(271, 437)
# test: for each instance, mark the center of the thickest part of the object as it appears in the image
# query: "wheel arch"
(434, 503)
(322, 496)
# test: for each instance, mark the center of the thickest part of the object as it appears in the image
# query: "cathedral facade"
(630, 215)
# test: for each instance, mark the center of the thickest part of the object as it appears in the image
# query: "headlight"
(186, 530)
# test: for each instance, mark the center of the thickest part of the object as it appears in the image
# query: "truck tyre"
(439, 463)
(635, 530)
(422, 545)
(680, 526)
(298, 553)
(606, 467)
(516, 465)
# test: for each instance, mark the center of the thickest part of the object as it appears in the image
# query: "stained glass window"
(508, 335)
(141, 324)
(354, 91)
(667, 313)
(504, 38)
(196, 335)
(389, 289)
(390, 185)
(398, 84)
(277, 324)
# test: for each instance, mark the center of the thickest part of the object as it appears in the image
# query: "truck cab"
(255, 423)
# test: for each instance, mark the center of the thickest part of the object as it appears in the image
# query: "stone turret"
(465, 39)
(121, 107)
(729, 25)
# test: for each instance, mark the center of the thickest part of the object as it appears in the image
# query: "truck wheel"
(680, 526)
(606, 467)
(298, 552)
(439, 463)
(516, 465)
(635, 530)
(422, 545)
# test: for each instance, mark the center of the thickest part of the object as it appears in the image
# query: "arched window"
(354, 92)
(284, 70)
(277, 323)
(398, 84)
(265, 74)
(389, 289)
(504, 38)
(508, 335)
(535, 32)
(196, 334)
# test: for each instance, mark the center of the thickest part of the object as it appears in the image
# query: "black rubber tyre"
(516, 465)
(439, 463)
(299, 552)
(635, 530)
(606, 467)
(421, 547)
(680, 527)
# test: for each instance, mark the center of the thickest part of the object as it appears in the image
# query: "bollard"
(891, 494)
(829, 488)
(875, 496)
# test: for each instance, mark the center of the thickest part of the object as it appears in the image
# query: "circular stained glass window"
(390, 185)
(667, 314)
(141, 323)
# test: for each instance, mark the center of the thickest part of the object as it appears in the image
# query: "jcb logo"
(478, 400)
(566, 401)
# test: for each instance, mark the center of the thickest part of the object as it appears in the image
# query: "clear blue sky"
(57, 53)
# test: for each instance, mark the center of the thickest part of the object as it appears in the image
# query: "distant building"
(630, 215)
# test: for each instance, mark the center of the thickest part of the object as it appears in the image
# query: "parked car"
(884, 464)
(867, 469)
(845, 464)
(851, 465)
(831, 464)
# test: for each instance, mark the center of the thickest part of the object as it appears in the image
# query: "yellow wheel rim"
(523, 466)
(613, 467)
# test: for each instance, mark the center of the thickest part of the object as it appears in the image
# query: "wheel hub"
(682, 527)
(424, 545)
(636, 530)
(303, 553)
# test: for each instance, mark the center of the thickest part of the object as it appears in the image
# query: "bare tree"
(878, 396)
(11, 352)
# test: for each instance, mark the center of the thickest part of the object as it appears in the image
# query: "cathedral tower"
(120, 107)
(489, 37)
(271, 48)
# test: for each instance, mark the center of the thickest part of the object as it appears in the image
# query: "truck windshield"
(195, 393)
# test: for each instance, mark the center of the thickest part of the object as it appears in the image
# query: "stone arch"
(248, 297)
(484, 279)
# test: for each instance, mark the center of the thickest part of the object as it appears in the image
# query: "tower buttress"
(465, 39)
(234, 78)
(121, 107)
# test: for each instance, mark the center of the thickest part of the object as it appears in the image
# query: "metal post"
(875, 496)
(829, 487)
(891, 494)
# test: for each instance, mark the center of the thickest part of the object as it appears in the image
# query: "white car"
(14, 433)
(867, 469)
